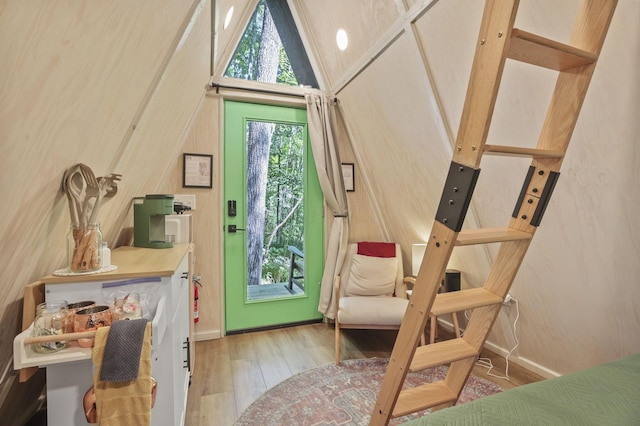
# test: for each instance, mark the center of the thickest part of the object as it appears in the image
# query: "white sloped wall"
(113, 85)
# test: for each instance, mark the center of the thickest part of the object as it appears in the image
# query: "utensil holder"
(84, 248)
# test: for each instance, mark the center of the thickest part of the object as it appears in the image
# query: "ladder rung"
(517, 151)
(423, 397)
(456, 301)
(490, 235)
(441, 353)
(541, 51)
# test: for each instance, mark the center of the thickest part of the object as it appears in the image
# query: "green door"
(273, 224)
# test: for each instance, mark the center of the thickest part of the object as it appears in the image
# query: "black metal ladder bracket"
(535, 195)
(456, 195)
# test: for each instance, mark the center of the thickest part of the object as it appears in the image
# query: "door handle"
(186, 363)
(233, 228)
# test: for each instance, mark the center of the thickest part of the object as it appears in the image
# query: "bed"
(608, 394)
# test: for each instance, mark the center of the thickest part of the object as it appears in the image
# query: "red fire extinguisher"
(196, 283)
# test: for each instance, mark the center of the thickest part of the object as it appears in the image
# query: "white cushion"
(367, 310)
(372, 276)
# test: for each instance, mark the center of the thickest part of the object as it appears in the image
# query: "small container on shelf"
(75, 307)
(51, 319)
(127, 307)
(89, 319)
(106, 255)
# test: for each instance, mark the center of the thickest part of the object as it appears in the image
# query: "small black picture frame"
(348, 177)
(197, 171)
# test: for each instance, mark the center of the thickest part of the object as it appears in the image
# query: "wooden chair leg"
(337, 343)
(456, 326)
(432, 332)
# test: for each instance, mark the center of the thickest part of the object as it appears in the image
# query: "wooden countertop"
(133, 262)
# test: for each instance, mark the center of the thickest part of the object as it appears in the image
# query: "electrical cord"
(486, 362)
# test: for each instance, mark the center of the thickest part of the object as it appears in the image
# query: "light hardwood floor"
(231, 372)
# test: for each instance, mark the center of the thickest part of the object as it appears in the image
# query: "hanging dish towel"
(123, 403)
(121, 359)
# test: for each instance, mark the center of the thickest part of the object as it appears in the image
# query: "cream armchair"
(370, 292)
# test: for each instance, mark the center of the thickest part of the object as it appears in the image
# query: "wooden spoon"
(73, 211)
(76, 188)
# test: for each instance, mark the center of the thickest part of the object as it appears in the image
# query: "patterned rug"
(342, 394)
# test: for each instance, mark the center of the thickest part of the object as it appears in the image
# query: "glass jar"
(51, 319)
(84, 248)
(127, 307)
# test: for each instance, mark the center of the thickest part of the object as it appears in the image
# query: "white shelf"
(24, 356)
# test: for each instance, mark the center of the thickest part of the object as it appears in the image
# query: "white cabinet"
(170, 362)
(69, 372)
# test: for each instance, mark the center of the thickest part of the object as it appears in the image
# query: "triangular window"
(271, 50)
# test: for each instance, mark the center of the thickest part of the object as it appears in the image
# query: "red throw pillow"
(376, 249)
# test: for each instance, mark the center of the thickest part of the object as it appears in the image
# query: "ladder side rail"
(592, 24)
(437, 253)
(504, 270)
(501, 277)
(486, 73)
(458, 374)
(589, 32)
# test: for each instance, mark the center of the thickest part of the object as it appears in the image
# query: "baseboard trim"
(200, 336)
(274, 327)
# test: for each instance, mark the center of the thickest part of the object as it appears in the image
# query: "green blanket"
(608, 394)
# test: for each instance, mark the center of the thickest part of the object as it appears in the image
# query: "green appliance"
(149, 220)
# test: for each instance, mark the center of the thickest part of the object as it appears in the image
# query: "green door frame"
(240, 313)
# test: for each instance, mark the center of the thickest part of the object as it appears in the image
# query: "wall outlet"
(507, 300)
(187, 200)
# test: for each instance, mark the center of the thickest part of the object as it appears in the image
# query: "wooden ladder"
(498, 40)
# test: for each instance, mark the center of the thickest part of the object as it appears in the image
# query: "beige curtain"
(321, 116)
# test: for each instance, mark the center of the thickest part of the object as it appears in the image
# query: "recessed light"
(342, 39)
(227, 18)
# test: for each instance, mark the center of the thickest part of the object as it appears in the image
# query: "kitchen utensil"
(73, 211)
(92, 190)
(76, 186)
(112, 188)
(105, 184)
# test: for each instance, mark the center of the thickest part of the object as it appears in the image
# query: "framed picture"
(348, 177)
(197, 171)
